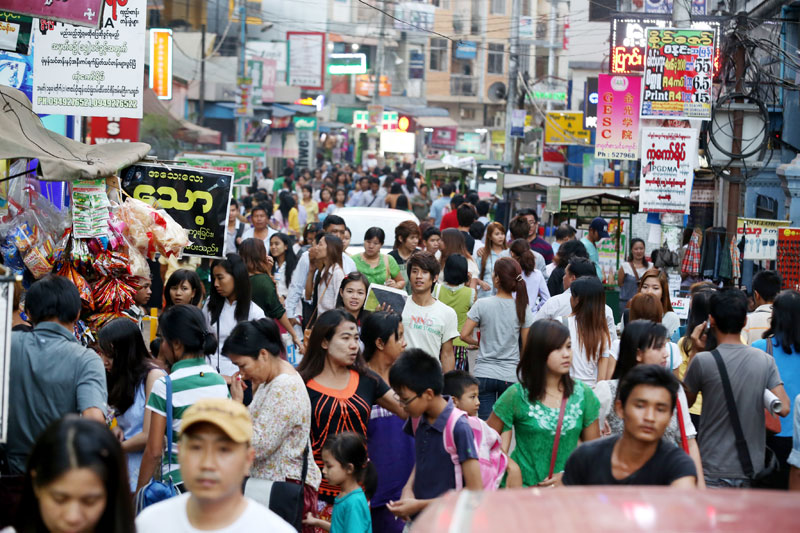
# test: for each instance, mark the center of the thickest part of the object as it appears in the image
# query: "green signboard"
(305, 123)
(241, 166)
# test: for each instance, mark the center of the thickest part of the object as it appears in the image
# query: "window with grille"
(494, 63)
(498, 7)
(438, 55)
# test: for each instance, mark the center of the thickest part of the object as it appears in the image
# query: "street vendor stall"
(448, 169)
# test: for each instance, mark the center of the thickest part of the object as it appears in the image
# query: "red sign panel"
(77, 12)
(103, 130)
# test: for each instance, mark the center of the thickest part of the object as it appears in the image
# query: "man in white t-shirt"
(559, 306)
(215, 455)
(428, 323)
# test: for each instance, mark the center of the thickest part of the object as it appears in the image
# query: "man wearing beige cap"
(215, 456)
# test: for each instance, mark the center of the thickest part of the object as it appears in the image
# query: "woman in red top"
(341, 388)
(325, 199)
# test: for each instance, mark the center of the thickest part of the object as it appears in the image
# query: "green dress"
(535, 426)
(376, 275)
(265, 296)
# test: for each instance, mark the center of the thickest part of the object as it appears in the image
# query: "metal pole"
(202, 96)
(242, 46)
(551, 52)
(734, 188)
(513, 69)
(376, 91)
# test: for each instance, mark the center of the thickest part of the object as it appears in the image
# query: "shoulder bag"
(773, 423)
(284, 498)
(558, 436)
(770, 462)
(156, 491)
(312, 320)
(682, 426)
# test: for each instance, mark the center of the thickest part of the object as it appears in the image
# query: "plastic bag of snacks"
(71, 273)
(152, 230)
(113, 295)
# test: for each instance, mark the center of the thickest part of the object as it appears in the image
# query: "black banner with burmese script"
(198, 199)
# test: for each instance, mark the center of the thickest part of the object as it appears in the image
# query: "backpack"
(493, 461)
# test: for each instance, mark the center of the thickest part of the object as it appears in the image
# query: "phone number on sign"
(63, 101)
(613, 155)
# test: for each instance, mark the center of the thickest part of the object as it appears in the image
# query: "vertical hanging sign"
(665, 185)
(161, 62)
(678, 72)
(617, 117)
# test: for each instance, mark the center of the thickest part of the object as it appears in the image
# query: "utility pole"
(551, 52)
(518, 140)
(376, 92)
(240, 121)
(202, 96)
(736, 179)
(513, 72)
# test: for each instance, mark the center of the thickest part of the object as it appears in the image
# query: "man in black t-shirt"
(646, 399)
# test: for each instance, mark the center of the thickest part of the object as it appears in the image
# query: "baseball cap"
(230, 416)
(601, 226)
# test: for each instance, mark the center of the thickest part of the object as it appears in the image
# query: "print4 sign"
(678, 73)
(667, 173)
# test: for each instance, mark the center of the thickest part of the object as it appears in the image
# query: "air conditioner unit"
(499, 119)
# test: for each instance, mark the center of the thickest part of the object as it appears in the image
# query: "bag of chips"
(71, 273)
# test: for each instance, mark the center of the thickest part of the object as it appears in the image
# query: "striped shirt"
(192, 380)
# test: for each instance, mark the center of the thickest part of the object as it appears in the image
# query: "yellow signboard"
(566, 127)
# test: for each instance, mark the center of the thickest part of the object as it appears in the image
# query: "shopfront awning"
(60, 158)
(436, 122)
(186, 131)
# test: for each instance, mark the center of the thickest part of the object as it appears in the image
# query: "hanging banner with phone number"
(197, 198)
(678, 73)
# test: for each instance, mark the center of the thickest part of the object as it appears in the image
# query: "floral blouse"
(281, 413)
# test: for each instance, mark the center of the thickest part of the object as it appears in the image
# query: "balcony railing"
(463, 85)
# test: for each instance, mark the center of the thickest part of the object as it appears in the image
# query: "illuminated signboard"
(628, 40)
(347, 64)
(161, 63)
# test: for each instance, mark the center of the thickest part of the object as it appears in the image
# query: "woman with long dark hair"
(378, 268)
(784, 337)
(131, 373)
(183, 288)
(390, 448)
(287, 217)
(538, 293)
(494, 248)
(341, 388)
(453, 242)
(229, 303)
(339, 201)
(353, 295)
(655, 282)
(262, 288)
(325, 274)
(531, 407)
(630, 272)
(185, 344)
(588, 328)
(645, 343)
(501, 338)
(696, 340)
(284, 262)
(280, 408)
(76, 481)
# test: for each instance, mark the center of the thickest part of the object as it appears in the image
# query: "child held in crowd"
(347, 466)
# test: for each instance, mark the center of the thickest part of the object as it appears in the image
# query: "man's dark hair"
(425, 261)
(563, 232)
(375, 181)
(483, 208)
(457, 381)
(519, 228)
(472, 197)
(288, 172)
(476, 230)
(729, 309)
(457, 200)
(570, 249)
(768, 284)
(447, 189)
(430, 232)
(332, 220)
(528, 211)
(417, 371)
(466, 215)
(653, 375)
(53, 297)
(580, 266)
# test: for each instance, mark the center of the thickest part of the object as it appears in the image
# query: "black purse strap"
(305, 466)
(741, 444)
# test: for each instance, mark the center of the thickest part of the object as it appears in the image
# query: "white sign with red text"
(667, 170)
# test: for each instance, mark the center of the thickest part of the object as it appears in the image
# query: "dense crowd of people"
(504, 368)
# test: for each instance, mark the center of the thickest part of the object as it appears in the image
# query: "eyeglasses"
(408, 402)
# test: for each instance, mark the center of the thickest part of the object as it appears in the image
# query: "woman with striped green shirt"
(185, 341)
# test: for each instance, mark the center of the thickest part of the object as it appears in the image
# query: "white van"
(360, 219)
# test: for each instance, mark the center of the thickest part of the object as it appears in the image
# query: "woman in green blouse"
(531, 407)
(262, 287)
(378, 268)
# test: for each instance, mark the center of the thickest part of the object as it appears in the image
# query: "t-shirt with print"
(334, 411)
(429, 327)
(351, 514)
(590, 464)
(171, 515)
(535, 426)
(435, 472)
(499, 345)
(750, 372)
(192, 380)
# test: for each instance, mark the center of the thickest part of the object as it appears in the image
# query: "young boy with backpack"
(448, 455)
